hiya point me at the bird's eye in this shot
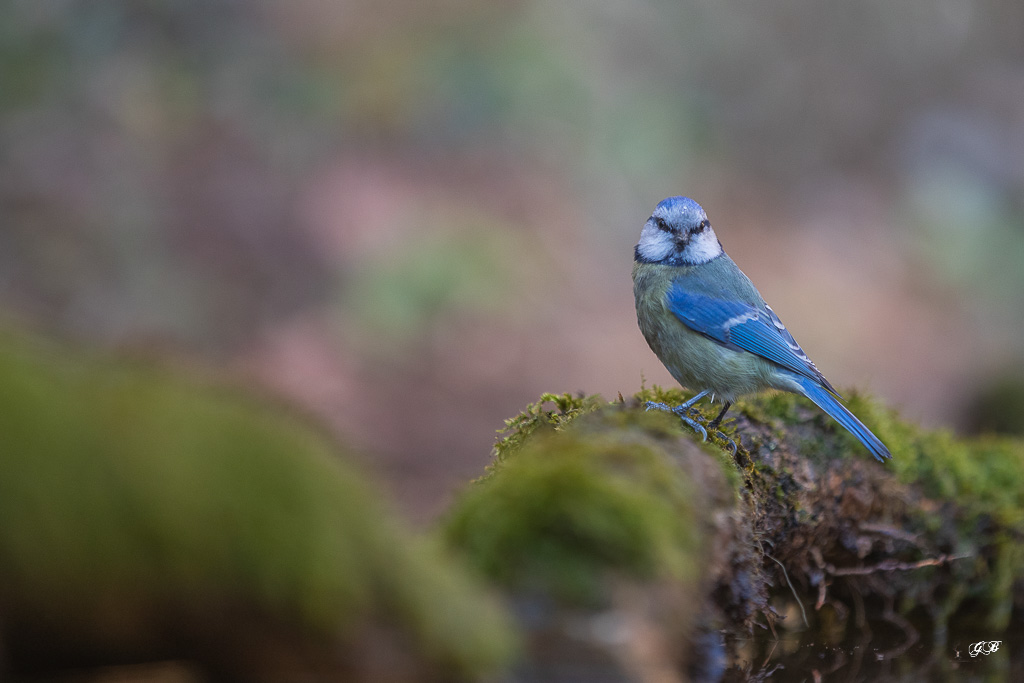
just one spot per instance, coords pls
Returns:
(704, 225)
(660, 223)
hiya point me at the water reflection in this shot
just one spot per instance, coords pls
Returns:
(884, 654)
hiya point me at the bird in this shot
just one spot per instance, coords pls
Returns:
(710, 327)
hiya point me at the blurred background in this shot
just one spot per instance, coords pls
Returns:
(413, 217)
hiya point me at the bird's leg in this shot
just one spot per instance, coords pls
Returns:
(681, 411)
(714, 424)
(718, 420)
(688, 405)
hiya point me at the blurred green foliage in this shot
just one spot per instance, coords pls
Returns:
(129, 492)
(390, 298)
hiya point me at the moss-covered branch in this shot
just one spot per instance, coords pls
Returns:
(585, 497)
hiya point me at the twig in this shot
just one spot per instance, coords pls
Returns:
(770, 653)
(890, 531)
(803, 612)
(892, 565)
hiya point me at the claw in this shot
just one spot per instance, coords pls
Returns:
(732, 444)
(696, 427)
(678, 412)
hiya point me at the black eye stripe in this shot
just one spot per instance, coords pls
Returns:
(663, 225)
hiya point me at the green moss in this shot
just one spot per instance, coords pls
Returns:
(574, 509)
(982, 475)
(981, 478)
(613, 415)
(780, 406)
(536, 416)
(555, 514)
(127, 488)
(984, 478)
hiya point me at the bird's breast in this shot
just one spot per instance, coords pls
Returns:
(695, 361)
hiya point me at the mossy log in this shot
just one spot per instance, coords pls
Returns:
(616, 531)
(147, 516)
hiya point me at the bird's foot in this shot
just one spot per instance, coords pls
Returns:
(680, 412)
(713, 427)
(696, 426)
(723, 437)
(684, 410)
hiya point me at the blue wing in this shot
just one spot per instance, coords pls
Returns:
(740, 326)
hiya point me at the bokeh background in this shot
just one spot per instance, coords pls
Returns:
(413, 217)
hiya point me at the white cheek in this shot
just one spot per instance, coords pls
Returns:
(655, 244)
(703, 247)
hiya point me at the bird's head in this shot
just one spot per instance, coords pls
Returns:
(677, 234)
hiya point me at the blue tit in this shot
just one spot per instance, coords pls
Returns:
(708, 324)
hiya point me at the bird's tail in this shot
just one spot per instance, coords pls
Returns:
(838, 412)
